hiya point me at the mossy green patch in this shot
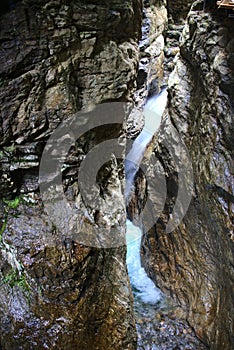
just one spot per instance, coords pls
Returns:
(9, 204)
(13, 203)
(2, 229)
(9, 149)
(13, 278)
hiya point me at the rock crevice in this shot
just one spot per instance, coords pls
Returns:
(194, 263)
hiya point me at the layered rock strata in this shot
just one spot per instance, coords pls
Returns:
(194, 262)
(59, 57)
(151, 60)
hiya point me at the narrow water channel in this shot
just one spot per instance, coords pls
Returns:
(143, 286)
(158, 327)
(152, 112)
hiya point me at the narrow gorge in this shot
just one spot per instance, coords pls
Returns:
(116, 175)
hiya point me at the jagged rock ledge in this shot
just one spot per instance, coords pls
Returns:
(194, 263)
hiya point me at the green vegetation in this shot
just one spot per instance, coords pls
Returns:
(10, 204)
(9, 151)
(3, 228)
(13, 278)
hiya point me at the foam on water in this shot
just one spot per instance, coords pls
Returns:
(153, 112)
(143, 286)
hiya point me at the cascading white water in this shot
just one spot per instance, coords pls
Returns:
(156, 325)
(143, 286)
(152, 112)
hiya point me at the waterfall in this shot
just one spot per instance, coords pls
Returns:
(152, 112)
(143, 287)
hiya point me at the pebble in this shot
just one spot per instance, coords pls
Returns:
(158, 328)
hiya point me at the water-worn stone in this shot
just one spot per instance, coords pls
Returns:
(151, 59)
(59, 57)
(194, 262)
(152, 45)
(179, 9)
(160, 328)
(63, 295)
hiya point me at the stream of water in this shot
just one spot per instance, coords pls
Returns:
(143, 286)
(158, 327)
(152, 112)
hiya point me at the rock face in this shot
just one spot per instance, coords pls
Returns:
(194, 262)
(59, 57)
(151, 68)
(152, 45)
(178, 10)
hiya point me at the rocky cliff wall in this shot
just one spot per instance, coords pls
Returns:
(58, 57)
(152, 45)
(194, 263)
(178, 10)
(151, 60)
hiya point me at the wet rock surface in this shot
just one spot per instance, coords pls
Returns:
(179, 9)
(151, 45)
(59, 57)
(56, 296)
(160, 328)
(173, 35)
(151, 58)
(194, 263)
